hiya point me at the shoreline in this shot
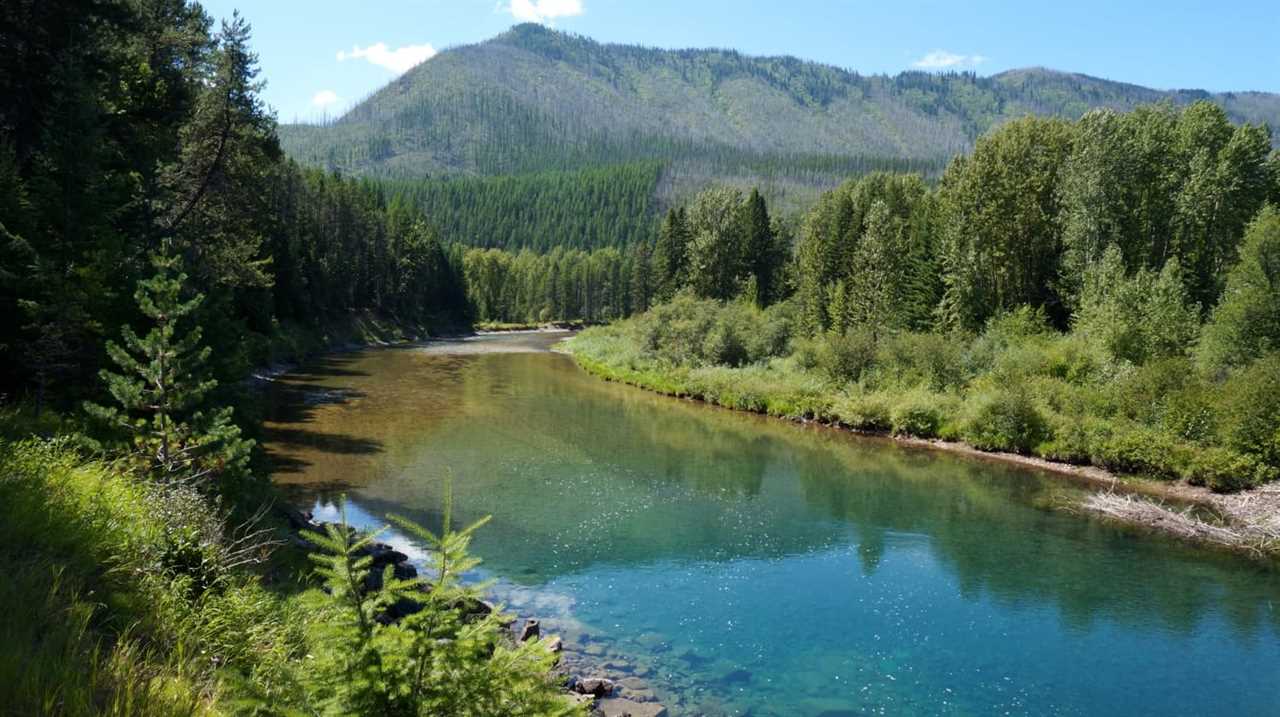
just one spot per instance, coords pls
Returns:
(587, 674)
(1246, 523)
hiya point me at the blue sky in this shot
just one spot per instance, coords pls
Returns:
(321, 56)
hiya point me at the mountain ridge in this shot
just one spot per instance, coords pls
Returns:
(533, 100)
(584, 100)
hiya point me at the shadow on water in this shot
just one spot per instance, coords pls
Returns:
(324, 442)
(335, 366)
(298, 402)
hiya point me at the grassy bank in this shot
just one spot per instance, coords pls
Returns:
(1018, 388)
(126, 596)
(110, 607)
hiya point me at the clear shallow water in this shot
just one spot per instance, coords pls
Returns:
(746, 566)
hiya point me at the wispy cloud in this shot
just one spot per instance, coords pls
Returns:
(542, 11)
(325, 98)
(399, 60)
(943, 60)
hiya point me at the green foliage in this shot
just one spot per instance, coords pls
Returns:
(918, 414)
(1250, 413)
(866, 256)
(671, 254)
(163, 390)
(1141, 450)
(908, 359)
(437, 660)
(864, 411)
(1139, 317)
(585, 209)
(1004, 418)
(689, 330)
(95, 616)
(717, 243)
(565, 284)
(848, 356)
(1226, 471)
(107, 608)
(1000, 241)
(1246, 324)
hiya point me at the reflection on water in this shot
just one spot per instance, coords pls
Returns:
(748, 566)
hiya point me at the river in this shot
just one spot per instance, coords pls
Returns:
(740, 565)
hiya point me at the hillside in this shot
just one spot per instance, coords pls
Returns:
(534, 99)
(554, 107)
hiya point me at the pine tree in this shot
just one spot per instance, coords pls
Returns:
(670, 254)
(446, 656)
(763, 258)
(162, 389)
(641, 277)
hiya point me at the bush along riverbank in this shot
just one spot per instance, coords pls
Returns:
(1163, 434)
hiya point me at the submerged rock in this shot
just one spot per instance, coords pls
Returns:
(622, 707)
(598, 686)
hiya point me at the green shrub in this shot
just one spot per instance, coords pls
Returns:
(804, 353)
(1005, 419)
(1136, 316)
(846, 357)
(1072, 359)
(912, 359)
(723, 346)
(1224, 470)
(1073, 438)
(1141, 393)
(1246, 323)
(442, 659)
(1188, 413)
(1140, 450)
(917, 414)
(689, 331)
(865, 412)
(1250, 411)
(771, 331)
(1010, 329)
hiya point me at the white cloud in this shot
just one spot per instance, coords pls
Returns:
(543, 11)
(325, 98)
(399, 60)
(943, 60)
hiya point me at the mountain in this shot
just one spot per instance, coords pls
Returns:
(554, 108)
(535, 99)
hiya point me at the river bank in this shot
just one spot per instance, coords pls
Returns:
(1247, 522)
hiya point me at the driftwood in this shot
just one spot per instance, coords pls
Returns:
(1256, 531)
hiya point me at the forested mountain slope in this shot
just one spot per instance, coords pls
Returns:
(534, 99)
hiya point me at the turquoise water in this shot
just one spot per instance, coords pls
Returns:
(742, 566)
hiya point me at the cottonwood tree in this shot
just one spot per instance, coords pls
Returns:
(1246, 324)
(1002, 241)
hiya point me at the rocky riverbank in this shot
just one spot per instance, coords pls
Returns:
(612, 686)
